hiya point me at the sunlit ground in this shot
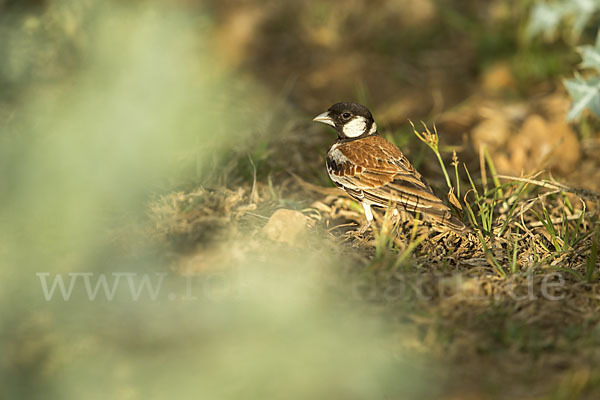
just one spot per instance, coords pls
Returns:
(144, 151)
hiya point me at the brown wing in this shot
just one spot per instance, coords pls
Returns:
(375, 171)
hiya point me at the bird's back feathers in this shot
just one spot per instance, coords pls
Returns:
(374, 171)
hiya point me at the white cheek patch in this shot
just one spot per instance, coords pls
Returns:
(355, 128)
(373, 129)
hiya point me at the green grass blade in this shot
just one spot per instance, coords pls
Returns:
(592, 261)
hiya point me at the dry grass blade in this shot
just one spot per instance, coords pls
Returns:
(253, 195)
(556, 186)
(316, 188)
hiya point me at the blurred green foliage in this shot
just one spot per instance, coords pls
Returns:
(568, 20)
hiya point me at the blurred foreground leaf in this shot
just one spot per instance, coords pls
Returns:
(546, 18)
(585, 92)
(591, 55)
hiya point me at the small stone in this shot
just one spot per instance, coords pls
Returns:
(542, 144)
(492, 132)
(287, 226)
(498, 77)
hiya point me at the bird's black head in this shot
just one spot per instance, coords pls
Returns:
(350, 120)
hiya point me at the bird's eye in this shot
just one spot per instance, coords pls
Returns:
(346, 115)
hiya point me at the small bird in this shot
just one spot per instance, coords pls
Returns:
(374, 171)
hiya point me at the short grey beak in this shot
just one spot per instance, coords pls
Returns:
(324, 118)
